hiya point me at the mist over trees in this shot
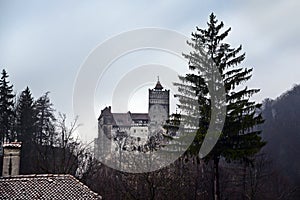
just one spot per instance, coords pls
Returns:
(282, 131)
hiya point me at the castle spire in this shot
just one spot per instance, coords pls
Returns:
(158, 86)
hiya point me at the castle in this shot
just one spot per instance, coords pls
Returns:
(139, 127)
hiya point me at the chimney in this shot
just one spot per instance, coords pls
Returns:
(11, 159)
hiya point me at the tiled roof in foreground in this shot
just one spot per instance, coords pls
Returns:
(46, 186)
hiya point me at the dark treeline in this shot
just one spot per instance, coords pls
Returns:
(48, 145)
(191, 178)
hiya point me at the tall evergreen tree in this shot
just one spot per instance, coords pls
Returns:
(45, 125)
(6, 109)
(25, 117)
(239, 138)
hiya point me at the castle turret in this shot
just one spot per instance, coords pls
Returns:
(103, 143)
(159, 106)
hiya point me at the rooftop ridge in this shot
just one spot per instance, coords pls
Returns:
(36, 176)
(52, 178)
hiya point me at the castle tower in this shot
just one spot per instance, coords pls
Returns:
(159, 107)
(105, 121)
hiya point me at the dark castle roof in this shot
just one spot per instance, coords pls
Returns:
(140, 116)
(126, 119)
(121, 119)
(158, 86)
(46, 186)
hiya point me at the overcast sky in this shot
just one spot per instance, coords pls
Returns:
(44, 43)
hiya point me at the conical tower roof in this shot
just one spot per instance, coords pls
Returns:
(158, 85)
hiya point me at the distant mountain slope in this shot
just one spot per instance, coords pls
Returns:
(282, 132)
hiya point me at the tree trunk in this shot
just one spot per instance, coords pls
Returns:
(216, 179)
(244, 181)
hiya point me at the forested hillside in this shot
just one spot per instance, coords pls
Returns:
(281, 130)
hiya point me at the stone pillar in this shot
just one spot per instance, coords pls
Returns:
(11, 159)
